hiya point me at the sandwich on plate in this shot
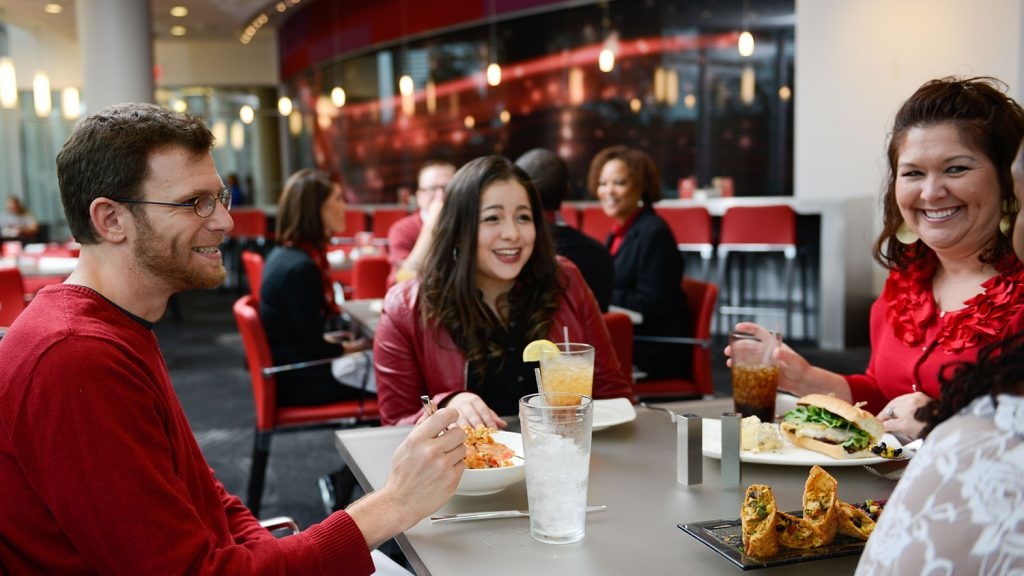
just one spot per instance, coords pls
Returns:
(832, 426)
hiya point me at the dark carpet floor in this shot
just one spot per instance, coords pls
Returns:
(204, 355)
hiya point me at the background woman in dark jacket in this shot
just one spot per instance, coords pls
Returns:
(648, 266)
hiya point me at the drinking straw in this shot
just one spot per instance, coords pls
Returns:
(565, 334)
(540, 386)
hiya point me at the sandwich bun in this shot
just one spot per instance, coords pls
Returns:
(860, 418)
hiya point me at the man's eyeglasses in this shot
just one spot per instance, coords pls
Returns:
(204, 204)
(432, 189)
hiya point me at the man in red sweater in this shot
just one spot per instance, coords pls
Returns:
(99, 470)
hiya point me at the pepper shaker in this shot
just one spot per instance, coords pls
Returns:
(731, 448)
(689, 449)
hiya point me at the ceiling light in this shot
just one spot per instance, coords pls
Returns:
(70, 103)
(338, 96)
(246, 114)
(41, 94)
(284, 106)
(8, 84)
(53, 8)
(179, 11)
(405, 85)
(178, 30)
(746, 43)
(493, 74)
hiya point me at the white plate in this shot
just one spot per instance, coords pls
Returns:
(483, 481)
(789, 455)
(612, 412)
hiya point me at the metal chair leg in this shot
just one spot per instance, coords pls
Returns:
(258, 471)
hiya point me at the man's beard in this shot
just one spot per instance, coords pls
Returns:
(172, 262)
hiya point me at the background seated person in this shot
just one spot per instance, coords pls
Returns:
(648, 266)
(409, 238)
(17, 222)
(297, 295)
(491, 285)
(551, 177)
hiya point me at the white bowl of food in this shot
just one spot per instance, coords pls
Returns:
(508, 467)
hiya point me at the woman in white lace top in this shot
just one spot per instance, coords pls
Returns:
(959, 508)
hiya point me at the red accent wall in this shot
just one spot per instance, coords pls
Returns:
(321, 29)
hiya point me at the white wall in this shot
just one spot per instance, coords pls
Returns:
(218, 63)
(856, 62)
(56, 54)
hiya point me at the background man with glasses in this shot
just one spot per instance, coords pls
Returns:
(99, 470)
(409, 238)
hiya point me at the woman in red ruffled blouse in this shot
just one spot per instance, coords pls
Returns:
(954, 283)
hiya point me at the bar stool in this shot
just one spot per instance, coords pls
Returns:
(752, 231)
(691, 226)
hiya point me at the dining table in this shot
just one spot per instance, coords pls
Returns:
(364, 314)
(633, 472)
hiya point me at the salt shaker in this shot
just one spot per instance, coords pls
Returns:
(689, 449)
(731, 448)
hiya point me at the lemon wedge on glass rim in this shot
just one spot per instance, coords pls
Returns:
(534, 349)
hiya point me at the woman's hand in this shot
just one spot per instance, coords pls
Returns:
(474, 412)
(793, 368)
(898, 414)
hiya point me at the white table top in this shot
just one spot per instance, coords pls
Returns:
(633, 472)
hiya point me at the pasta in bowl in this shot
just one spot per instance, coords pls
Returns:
(493, 462)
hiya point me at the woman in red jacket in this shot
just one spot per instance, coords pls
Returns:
(492, 285)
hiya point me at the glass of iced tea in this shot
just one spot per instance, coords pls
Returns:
(755, 375)
(571, 369)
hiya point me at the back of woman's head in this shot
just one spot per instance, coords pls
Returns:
(298, 211)
(987, 119)
(449, 290)
(641, 167)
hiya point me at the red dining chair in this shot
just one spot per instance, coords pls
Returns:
(252, 262)
(370, 277)
(620, 328)
(249, 233)
(355, 222)
(691, 226)
(12, 295)
(595, 223)
(382, 219)
(747, 234)
(271, 418)
(700, 300)
(570, 214)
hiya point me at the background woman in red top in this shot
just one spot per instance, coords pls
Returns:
(954, 284)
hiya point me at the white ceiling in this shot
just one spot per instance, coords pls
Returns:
(207, 19)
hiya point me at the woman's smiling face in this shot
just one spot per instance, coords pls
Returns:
(617, 191)
(505, 237)
(947, 191)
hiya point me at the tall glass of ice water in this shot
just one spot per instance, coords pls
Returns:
(556, 431)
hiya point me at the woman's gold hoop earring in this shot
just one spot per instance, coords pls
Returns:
(1009, 208)
(1004, 225)
(905, 234)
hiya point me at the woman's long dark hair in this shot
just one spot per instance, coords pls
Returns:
(988, 120)
(999, 369)
(299, 221)
(451, 299)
